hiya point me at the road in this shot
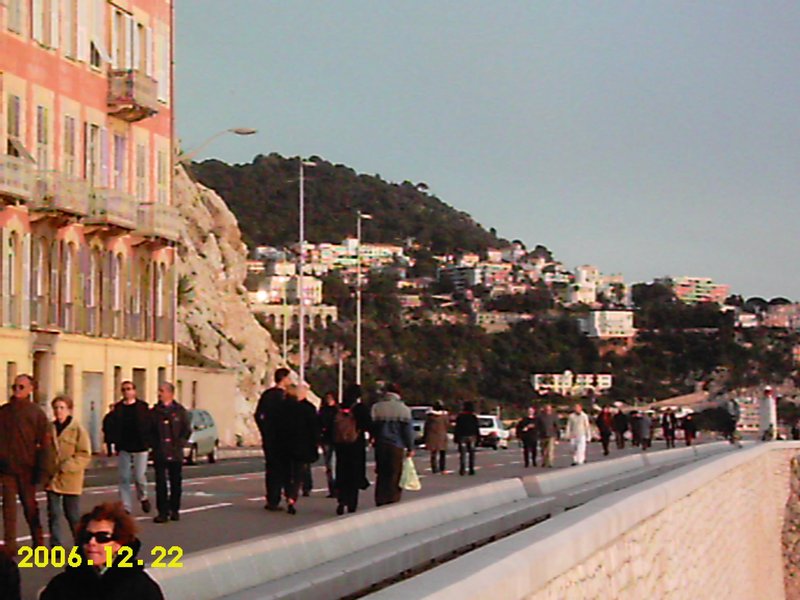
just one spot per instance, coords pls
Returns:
(224, 502)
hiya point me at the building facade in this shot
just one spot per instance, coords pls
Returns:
(692, 290)
(608, 324)
(87, 227)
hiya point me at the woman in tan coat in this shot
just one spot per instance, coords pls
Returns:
(435, 435)
(72, 455)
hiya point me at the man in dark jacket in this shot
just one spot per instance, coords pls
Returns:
(669, 424)
(302, 427)
(271, 421)
(327, 414)
(129, 428)
(171, 432)
(24, 446)
(547, 427)
(620, 423)
(528, 434)
(466, 436)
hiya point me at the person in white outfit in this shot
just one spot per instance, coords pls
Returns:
(578, 433)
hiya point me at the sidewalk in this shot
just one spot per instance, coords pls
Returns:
(101, 461)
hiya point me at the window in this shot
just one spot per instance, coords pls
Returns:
(69, 146)
(14, 15)
(119, 162)
(13, 124)
(97, 46)
(91, 152)
(44, 22)
(144, 51)
(163, 177)
(69, 24)
(41, 138)
(116, 283)
(141, 172)
(68, 379)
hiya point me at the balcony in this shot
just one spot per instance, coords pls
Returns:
(156, 220)
(56, 193)
(111, 209)
(132, 95)
(16, 177)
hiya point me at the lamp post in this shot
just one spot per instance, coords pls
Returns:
(360, 217)
(187, 156)
(301, 296)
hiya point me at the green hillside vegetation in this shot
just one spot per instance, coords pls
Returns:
(264, 197)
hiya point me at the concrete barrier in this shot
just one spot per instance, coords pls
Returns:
(235, 567)
(623, 545)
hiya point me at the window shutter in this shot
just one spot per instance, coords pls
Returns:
(55, 267)
(148, 51)
(115, 41)
(26, 281)
(82, 323)
(104, 158)
(54, 23)
(137, 47)
(6, 280)
(83, 30)
(129, 37)
(37, 14)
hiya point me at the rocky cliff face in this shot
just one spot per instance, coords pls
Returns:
(214, 318)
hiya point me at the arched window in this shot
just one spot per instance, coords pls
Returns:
(12, 278)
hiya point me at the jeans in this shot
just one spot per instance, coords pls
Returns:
(21, 484)
(168, 503)
(59, 505)
(135, 464)
(466, 446)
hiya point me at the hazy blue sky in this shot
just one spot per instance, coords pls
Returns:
(647, 138)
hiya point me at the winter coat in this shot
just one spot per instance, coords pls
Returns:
(435, 432)
(171, 431)
(466, 426)
(527, 430)
(326, 415)
(620, 422)
(645, 427)
(114, 423)
(270, 418)
(72, 453)
(115, 583)
(604, 423)
(669, 422)
(547, 426)
(302, 427)
(25, 444)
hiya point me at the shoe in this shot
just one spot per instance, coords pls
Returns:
(340, 510)
(291, 509)
(472, 472)
(331, 496)
(175, 515)
(276, 508)
(161, 519)
(146, 506)
(306, 494)
(351, 509)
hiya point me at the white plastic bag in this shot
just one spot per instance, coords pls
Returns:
(409, 480)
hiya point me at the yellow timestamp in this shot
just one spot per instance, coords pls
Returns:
(59, 557)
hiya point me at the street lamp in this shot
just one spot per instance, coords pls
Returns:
(187, 156)
(301, 296)
(360, 217)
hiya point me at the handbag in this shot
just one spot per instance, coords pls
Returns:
(409, 480)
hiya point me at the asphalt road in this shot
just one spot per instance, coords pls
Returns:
(224, 502)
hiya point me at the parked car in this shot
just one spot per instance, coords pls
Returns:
(492, 432)
(204, 440)
(418, 415)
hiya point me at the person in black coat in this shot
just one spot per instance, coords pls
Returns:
(620, 424)
(528, 434)
(351, 457)
(105, 530)
(271, 421)
(9, 577)
(327, 413)
(171, 431)
(636, 428)
(302, 440)
(466, 436)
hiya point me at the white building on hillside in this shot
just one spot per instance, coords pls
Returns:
(608, 324)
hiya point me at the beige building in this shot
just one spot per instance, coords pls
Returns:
(212, 389)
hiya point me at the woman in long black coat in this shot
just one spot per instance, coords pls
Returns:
(302, 440)
(351, 458)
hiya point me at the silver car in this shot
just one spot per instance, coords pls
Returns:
(204, 440)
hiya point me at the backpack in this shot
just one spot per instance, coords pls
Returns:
(345, 428)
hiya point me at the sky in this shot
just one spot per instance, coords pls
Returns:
(646, 138)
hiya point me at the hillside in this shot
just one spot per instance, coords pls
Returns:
(263, 195)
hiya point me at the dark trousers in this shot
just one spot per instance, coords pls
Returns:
(329, 457)
(58, 506)
(438, 460)
(276, 476)
(605, 440)
(299, 478)
(20, 485)
(619, 436)
(529, 447)
(389, 465)
(168, 471)
(466, 447)
(669, 437)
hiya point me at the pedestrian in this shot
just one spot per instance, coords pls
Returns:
(302, 439)
(435, 436)
(25, 452)
(689, 429)
(636, 428)
(796, 429)
(767, 415)
(732, 414)
(605, 425)
(10, 588)
(466, 436)
(578, 432)
(271, 422)
(669, 424)
(394, 441)
(171, 432)
(528, 434)
(327, 413)
(547, 428)
(620, 424)
(72, 453)
(129, 429)
(645, 430)
(351, 424)
(101, 534)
